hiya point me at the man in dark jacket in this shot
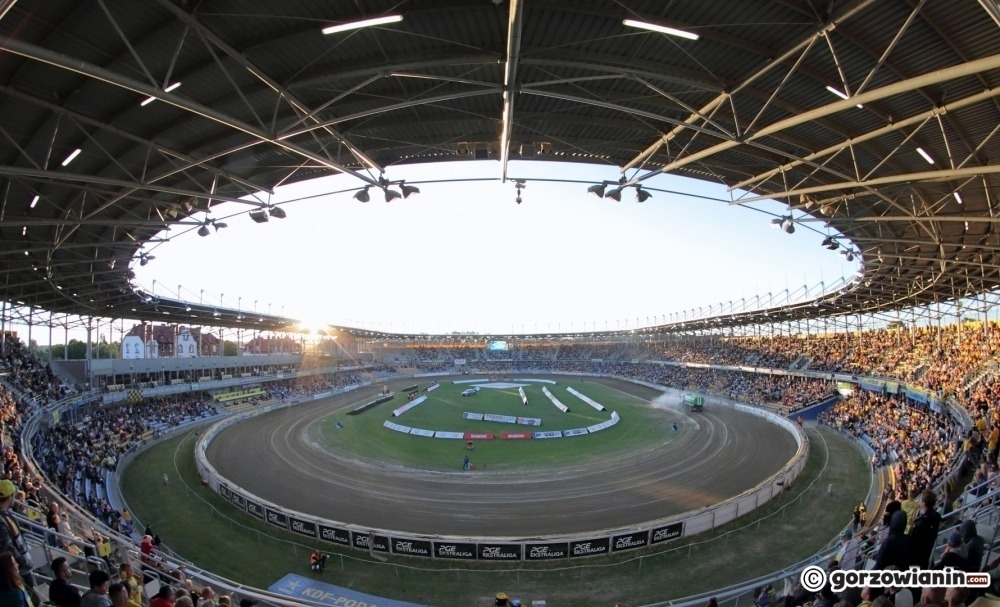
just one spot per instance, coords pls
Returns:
(61, 592)
(895, 548)
(924, 531)
(974, 544)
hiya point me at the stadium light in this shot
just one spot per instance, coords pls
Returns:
(362, 195)
(391, 195)
(277, 212)
(408, 189)
(597, 190)
(615, 194)
(642, 195)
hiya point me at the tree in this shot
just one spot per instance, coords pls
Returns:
(229, 348)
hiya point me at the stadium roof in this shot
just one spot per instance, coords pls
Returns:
(266, 98)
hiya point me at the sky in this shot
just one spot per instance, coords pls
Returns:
(464, 256)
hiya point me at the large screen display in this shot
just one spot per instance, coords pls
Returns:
(497, 346)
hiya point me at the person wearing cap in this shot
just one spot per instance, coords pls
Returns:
(10, 534)
(849, 551)
(954, 553)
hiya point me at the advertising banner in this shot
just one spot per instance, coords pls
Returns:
(225, 492)
(455, 550)
(529, 421)
(549, 434)
(667, 533)
(629, 541)
(478, 436)
(368, 541)
(515, 435)
(499, 552)
(575, 432)
(421, 432)
(276, 518)
(239, 501)
(411, 547)
(473, 416)
(441, 434)
(335, 535)
(302, 526)
(255, 509)
(546, 552)
(504, 419)
(591, 547)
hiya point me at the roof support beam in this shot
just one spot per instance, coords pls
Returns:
(942, 175)
(509, 83)
(301, 107)
(37, 53)
(932, 78)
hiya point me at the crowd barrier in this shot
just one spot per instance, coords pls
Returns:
(488, 549)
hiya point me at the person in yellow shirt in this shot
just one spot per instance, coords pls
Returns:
(126, 574)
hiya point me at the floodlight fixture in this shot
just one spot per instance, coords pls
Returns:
(776, 222)
(597, 189)
(615, 194)
(391, 195)
(259, 216)
(408, 189)
(789, 225)
(277, 212)
(203, 231)
(144, 259)
(642, 195)
(345, 27)
(362, 195)
(219, 224)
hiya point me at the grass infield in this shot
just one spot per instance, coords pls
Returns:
(196, 523)
(364, 436)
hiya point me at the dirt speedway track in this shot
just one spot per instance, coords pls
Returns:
(278, 458)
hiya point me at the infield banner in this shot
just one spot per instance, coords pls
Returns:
(432, 387)
(555, 401)
(473, 416)
(593, 403)
(516, 435)
(478, 436)
(397, 427)
(413, 403)
(495, 417)
(529, 421)
(549, 434)
(442, 434)
(225, 492)
(239, 501)
(575, 432)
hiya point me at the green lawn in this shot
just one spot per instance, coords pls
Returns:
(363, 435)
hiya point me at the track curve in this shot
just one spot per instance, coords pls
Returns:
(279, 458)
